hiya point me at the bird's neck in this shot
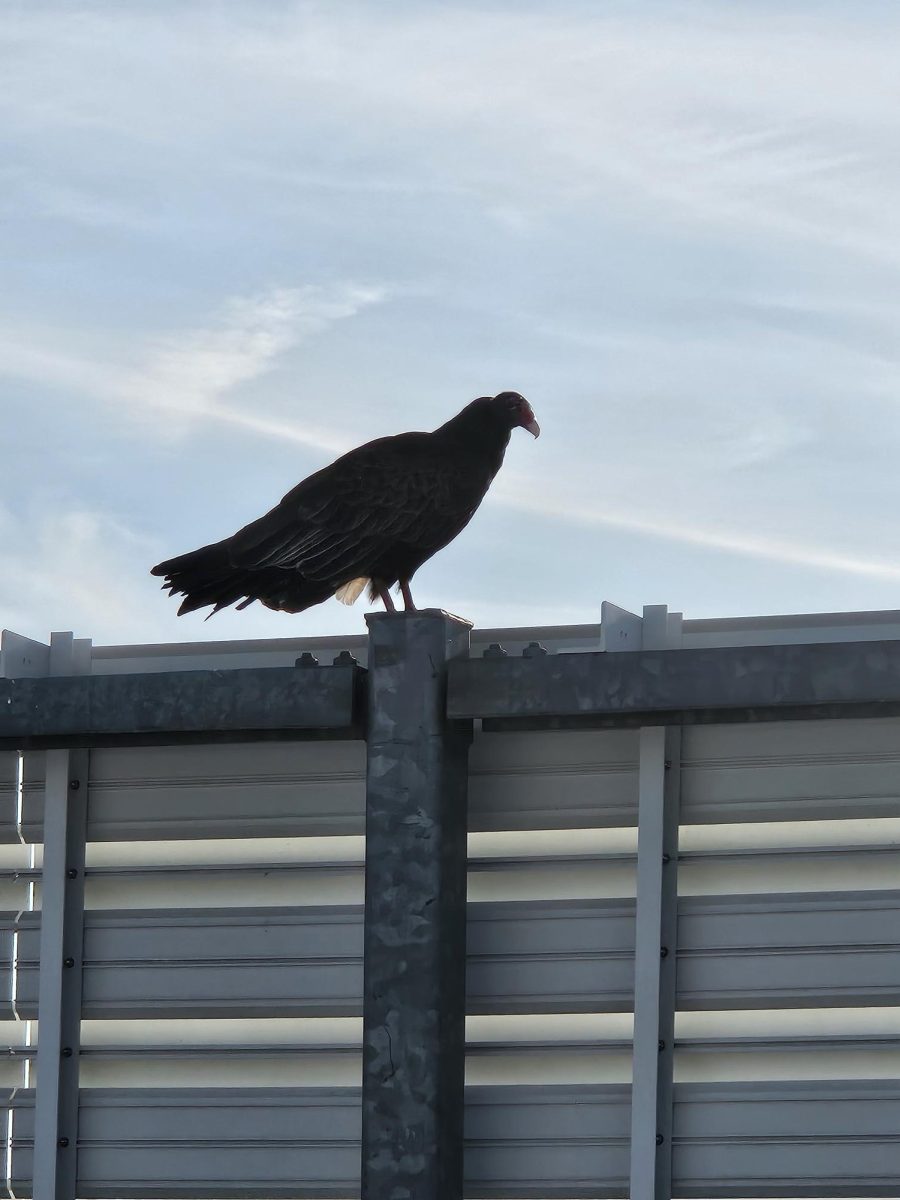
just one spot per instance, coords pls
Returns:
(480, 438)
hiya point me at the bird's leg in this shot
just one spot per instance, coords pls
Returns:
(385, 596)
(407, 596)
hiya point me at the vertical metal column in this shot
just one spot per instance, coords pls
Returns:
(654, 966)
(62, 924)
(415, 930)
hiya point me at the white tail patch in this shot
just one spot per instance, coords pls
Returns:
(349, 593)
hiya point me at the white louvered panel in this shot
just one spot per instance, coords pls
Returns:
(553, 780)
(233, 1052)
(285, 1052)
(260, 789)
(791, 771)
(304, 1051)
(766, 772)
(237, 1063)
(707, 1060)
(840, 866)
(586, 864)
(800, 949)
(228, 1066)
(226, 885)
(283, 789)
(264, 789)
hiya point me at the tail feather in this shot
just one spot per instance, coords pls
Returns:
(208, 578)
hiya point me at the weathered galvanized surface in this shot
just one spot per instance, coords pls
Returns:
(415, 932)
(176, 705)
(744, 682)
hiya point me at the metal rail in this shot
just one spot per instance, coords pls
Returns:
(180, 706)
(733, 683)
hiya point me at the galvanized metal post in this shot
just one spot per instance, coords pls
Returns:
(415, 930)
(654, 966)
(62, 925)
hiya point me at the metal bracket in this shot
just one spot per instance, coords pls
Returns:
(61, 946)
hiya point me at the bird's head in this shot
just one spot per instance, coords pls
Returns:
(515, 411)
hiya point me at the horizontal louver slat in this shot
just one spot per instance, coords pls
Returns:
(799, 950)
(746, 1139)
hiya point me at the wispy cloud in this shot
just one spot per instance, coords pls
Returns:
(660, 525)
(699, 113)
(184, 377)
(76, 569)
(187, 374)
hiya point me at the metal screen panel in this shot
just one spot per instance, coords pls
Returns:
(826, 1138)
(553, 780)
(547, 1141)
(266, 1142)
(199, 931)
(212, 962)
(551, 956)
(791, 771)
(559, 1143)
(262, 789)
(799, 950)
(533, 956)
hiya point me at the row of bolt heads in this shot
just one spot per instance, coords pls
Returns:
(494, 650)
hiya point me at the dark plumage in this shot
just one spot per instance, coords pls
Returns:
(372, 517)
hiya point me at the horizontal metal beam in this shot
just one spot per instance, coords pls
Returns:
(745, 683)
(179, 706)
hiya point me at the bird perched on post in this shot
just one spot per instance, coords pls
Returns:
(369, 519)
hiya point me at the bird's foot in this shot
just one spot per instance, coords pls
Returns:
(408, 602)
(385, 596)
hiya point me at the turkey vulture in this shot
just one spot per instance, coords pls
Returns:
(372, 517)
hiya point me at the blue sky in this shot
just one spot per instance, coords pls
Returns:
(237, 238)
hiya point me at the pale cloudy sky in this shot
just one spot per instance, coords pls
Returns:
(239, 237)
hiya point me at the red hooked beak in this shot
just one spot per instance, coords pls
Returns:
(528, 422)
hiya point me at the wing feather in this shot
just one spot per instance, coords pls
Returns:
(336, 522)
